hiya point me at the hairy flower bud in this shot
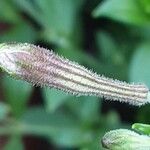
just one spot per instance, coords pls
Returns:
(42, 67)
(123, 139)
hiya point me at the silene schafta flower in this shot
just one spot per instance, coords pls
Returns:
(43, 67)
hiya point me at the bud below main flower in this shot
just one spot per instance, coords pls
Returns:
(123, 139)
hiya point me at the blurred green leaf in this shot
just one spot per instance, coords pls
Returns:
(72, 137)
(8, 12)
(95, 144)
(58, 19)
(142, 128)
(21, 32)
(85, 108)
(54, 98)
(143, 114)
(4, 111)
(79, 123)
(61, 128)
(109, 49)
(106, 122)
(17, 94)
(139, 66)
(28, 7)
(50, 12)
(112, 120)
(89, 109)
(112, 57)
(146, 5)
(128, 11)
(14, 143)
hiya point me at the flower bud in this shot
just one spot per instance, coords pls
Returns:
(42, 67)
(123, 139)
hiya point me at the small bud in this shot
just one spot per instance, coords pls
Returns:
(42, 67)
(123, 139)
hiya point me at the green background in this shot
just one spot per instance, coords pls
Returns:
(110, 37)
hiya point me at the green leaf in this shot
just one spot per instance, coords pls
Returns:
(106, 45)
(94, 145)
(109, 49)
(15, 143)
(54, 98)
(85, 108)
(127, 11)
(89, 110)
(4, 111)
(52, 14)
(143, 114)
(20, 32)
(140, 62)
(8, 12)
(63, 129)
(112, 120)
(146, 5)
(17, 94)
(58, 19)
(142, 128)
(28, 7)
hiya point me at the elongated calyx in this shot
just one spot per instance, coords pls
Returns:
(43, 67)
(123, 139)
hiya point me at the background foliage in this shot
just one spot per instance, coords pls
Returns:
(111, 37)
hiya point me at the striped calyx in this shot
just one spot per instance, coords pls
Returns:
(43, 67)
